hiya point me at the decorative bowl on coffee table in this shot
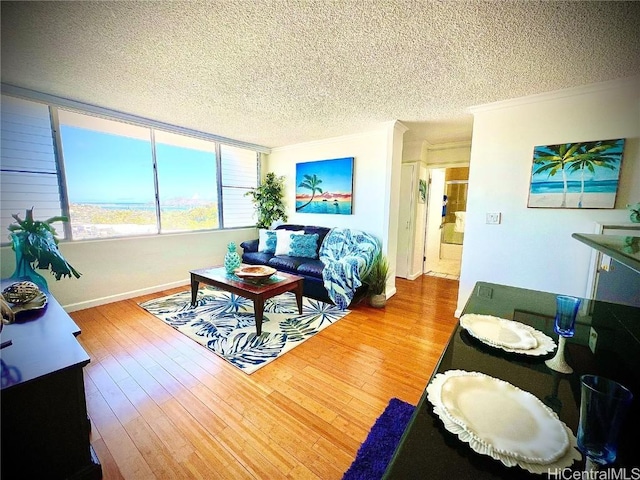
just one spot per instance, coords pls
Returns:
(255, 272)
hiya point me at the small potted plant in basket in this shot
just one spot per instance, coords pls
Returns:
(376, 279)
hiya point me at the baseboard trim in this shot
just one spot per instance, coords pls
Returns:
(457, 313)
(96, 302)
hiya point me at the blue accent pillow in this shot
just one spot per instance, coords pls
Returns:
(271, 242)
(304, 246)
(267, 241)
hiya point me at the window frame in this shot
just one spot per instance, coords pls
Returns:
(54, 103)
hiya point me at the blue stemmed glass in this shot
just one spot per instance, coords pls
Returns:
(565, 326)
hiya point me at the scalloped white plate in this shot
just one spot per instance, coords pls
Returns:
(502, 421)
(508, 335)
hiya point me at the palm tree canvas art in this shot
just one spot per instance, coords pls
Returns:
(576, 175)
(325, 186)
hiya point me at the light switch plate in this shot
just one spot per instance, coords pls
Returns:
(493, 218)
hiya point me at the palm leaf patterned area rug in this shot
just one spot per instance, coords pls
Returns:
(225, 323)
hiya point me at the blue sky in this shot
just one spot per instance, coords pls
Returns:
(106, 168)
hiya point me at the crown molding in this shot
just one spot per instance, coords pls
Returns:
(558, 94)
(398, 125)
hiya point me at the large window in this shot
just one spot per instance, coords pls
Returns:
(109, 171)
(114, 178)
(186, 182)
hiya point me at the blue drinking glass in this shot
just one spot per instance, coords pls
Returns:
(603, 406)
(566, 312)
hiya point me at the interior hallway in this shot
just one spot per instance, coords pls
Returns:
(446, 268)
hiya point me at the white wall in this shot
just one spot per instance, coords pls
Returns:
(412, 150)
(395, 132)
(377, 161)
(116, 269)
(533, 248)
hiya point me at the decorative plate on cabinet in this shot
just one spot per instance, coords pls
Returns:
(502, 421)
(508, 335)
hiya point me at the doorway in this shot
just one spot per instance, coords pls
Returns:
(444, 236)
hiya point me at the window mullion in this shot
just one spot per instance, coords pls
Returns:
(156, 186)
(258, 168)
(62, 178)
(219, 181)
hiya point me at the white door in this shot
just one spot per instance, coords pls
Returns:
(434, 218)
(408, 191)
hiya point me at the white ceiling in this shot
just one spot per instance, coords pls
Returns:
(277, 72)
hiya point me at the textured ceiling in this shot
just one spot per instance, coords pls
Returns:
(281, 72)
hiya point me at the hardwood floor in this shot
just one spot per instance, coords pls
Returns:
(162, 406)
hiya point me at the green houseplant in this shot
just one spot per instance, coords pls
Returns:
(36, 246)
(267, 200)
(376, 279)
(635, 212)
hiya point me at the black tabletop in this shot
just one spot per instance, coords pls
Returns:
(428, 450)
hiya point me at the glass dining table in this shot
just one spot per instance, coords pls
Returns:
(606, 343)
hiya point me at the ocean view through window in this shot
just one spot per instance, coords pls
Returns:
(117, 175)
(127, 180)
(186, 183)
(109, 173)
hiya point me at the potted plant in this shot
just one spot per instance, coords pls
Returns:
(267, 200)
(36, 246)
(376, 279)
(635, 212)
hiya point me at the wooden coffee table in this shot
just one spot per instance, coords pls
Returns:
(279, 283)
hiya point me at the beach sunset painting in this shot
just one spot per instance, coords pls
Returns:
(576, 175)
(325, 186)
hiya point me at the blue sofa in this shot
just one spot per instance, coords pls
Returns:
(309, 268)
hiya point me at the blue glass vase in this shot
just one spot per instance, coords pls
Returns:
(232, 260)
(24, 271)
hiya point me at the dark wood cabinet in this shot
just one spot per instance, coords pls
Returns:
(45, 428)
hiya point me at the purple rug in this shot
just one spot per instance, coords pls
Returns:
(376, 451)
